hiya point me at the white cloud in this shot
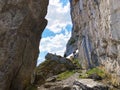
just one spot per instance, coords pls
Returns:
(55, 44)
(58, 16)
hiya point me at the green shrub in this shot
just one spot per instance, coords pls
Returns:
(96, 71)
(76, 62)
(72, 41)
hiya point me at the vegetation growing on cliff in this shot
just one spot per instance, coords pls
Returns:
(77, 63)
(72, 41)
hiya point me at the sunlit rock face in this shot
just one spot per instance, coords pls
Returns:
(96, 28)
(21, 25)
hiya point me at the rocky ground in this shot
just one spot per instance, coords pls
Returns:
(55, 74)
(59, 85)
(73, 83)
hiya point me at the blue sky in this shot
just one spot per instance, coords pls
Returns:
(58, 30)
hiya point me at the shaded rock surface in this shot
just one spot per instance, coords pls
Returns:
(96, 33)
(95, 76)
(59, 59)
(21, 25)
(53, 65)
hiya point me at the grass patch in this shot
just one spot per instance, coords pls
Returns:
(65, 75)
(113, 80)
(72, 41)
(96, 70)
(107, 78)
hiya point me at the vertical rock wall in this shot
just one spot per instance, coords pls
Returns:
(96, 24)
(21, 25)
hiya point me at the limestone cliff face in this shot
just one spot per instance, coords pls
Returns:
(96, 25)
(21, 25)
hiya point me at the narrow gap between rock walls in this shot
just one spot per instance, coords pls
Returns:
(58, 31)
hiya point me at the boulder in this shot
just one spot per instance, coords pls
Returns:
(60, 59)
(88, 84)
(53, 65)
